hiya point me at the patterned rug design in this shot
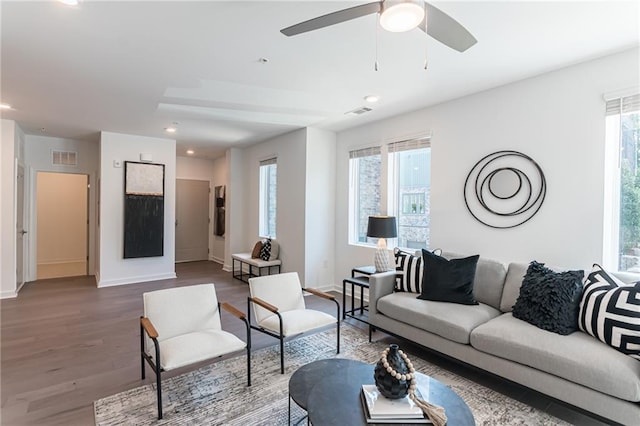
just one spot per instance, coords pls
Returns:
(217, 393)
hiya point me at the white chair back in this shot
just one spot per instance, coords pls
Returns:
(280, 290)
(181, 310)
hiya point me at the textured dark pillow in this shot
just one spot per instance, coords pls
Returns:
(550, 300)
(256, 250)
(448, 280)
(265, 251)
(610, 311)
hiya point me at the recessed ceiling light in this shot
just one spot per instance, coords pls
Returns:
(372, 98)
(5, 106)
(170, 129)
(69, 2)
(190, 152)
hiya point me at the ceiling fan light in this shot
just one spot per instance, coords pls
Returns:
(402, 17)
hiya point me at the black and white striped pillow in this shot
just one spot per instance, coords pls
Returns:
(610, 311)
(409, 272)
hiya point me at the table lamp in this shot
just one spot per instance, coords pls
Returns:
(382, 227)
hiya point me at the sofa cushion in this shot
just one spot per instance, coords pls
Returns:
(489, 279)
(449, 320)
(257, 248)
(409, 269)
(515, 274)
(576, 357)
(265, 251)
(550, 300)
(610, 311)
(447, 280)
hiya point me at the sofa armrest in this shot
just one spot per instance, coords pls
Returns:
(380, 285)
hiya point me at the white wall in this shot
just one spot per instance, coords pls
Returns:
(556, 118)
(219, 178)
(11, 149)
(320, 205)
(290, 149)
(236, 213)
(38, 158)
(199, 169)
(113, 268)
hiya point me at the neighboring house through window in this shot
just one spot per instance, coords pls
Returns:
(622, 184)
(268, 197)
(402, 183)
(365, 172)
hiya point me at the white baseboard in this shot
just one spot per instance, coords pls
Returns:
(133, 280)
(216, 259)
(226, 268)
(8, 294)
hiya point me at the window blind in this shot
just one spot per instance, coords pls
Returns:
(409, 144)
(273, 160)
(365, 152)
(623, 105)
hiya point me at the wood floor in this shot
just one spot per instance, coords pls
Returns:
(64, 343)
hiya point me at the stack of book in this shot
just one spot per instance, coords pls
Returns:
(379, 409)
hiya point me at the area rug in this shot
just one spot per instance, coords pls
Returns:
(217, 394)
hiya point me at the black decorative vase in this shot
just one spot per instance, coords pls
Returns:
(389, 386)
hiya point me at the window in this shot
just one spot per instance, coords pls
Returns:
(365, 171)
(409, 189)
(398, 177)
(622, 175)
(268, 197)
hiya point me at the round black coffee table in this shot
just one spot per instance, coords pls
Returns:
(329, 390)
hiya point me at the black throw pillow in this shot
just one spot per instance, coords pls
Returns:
(446, 280)
(550, 300)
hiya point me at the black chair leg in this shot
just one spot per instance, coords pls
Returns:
(281, 354)
(370, 331)
(248, 365)
(159, 391)
(142, 366)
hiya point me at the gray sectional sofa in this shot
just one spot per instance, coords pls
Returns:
(576, 368)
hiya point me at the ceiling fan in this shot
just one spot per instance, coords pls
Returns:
(397, 16)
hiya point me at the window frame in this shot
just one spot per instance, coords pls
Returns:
(389, 199)
(617, 105)
(264, 197)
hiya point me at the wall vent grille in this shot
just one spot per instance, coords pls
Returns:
(65, 158)
(358, 111)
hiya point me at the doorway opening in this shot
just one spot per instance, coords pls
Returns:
(62, 205)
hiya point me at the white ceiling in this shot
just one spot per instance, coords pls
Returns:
(137, 67)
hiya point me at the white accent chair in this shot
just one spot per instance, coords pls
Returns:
(181, 326)
(280, 311)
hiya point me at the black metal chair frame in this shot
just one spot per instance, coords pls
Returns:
(155, 366)
(280, 336)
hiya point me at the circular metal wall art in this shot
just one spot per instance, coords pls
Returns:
(504, 189)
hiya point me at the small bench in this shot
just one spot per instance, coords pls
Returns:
(246, 262)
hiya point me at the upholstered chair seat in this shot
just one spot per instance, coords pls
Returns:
(277, 302)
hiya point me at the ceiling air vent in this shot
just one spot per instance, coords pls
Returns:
(65, 158)
(358, 111)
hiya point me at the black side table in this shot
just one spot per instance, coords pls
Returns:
(359, 277)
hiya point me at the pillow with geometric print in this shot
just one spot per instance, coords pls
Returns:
(610, 311)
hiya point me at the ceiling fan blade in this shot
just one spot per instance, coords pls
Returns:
(332, 18)
(447, 30)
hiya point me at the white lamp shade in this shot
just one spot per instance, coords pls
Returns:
(402, 17)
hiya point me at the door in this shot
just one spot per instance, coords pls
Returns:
(192, 220)
(20, 231)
